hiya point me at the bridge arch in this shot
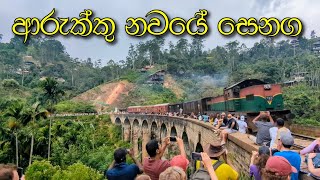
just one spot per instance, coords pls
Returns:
(117, 121)
(154, 128)
(173, 131)
(135, 123)
(199, 147)
(145, 137)
(163, 131)
(135, 137)
(144, 124)
(186, 142)
(126, 130)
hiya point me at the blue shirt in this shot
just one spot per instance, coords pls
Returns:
(123, 171)
(205, 118)
(294, 159)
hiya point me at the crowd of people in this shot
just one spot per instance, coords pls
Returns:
(275, 141)
(210, 164)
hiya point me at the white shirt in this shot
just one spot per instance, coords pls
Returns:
(273, 135)
(242, 126)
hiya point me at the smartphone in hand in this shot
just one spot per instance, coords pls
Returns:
(172, 138)
(20, 172)
(196, 156)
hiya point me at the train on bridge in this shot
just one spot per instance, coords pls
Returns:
(247, 97)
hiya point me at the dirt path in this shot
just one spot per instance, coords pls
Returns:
(115, 93)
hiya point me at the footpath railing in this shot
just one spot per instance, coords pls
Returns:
(77, 114)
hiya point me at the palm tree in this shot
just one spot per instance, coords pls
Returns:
(35, 113)
(17, 116)
(52, 93)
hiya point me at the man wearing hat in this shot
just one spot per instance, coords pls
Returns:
(223, 171)
(278, 168)
(284, 144)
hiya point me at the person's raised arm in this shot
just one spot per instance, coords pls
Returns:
(270, 117)
(137, 162)
(165, 143)
(253, 157)
(112, 165)
(310, 148)
(311, 168)
(232, 124)
(181, 147)
(208, 165)
(256, 118)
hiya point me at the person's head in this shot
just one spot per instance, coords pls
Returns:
(242, 118)
(152, 148)
(277, 168)
(173, 173)
(229, 116)
(223, 115)
(214, 150)
(286, 140)
(180, 161)
(280, 122)
(143, 177)
(8, 172)
(264, 150)
(263, 156)
(218, 115)
(264, 117)
(120, 155)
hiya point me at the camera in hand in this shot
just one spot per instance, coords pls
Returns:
(20, 172)
(172, 138)
(196, 156)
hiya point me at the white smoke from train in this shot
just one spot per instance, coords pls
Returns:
(200, 86)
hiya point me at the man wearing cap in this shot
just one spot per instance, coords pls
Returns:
(223, 171)
(120, 170)
(284, 144)
(278, 167)
(242, 125)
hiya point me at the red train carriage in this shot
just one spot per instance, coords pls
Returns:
(152, 109)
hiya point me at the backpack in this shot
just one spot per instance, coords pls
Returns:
(202, 174)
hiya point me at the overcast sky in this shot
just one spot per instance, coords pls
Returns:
(120, 10)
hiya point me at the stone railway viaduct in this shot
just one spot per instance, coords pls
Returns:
(139, 129)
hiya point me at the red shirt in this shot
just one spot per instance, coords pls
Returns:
(154, 168)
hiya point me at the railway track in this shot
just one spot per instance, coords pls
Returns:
(302, 141)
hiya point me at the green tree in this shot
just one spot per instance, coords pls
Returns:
(35, 113)
(77, 171)
(41, 170)
(16, 117)
(52, 93)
